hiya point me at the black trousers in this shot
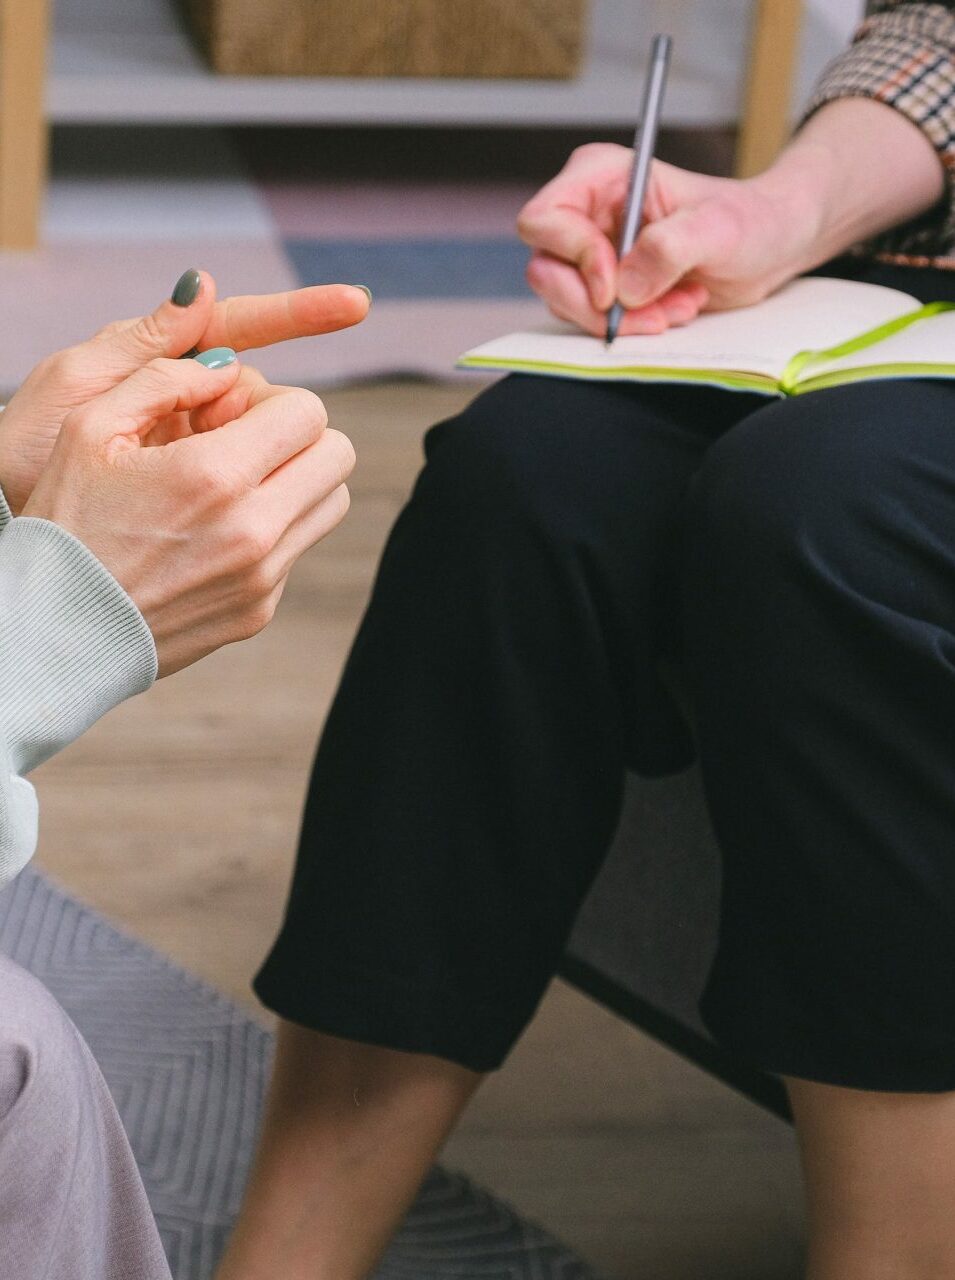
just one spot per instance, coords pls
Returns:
(565, 542)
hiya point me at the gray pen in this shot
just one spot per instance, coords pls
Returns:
(643, 145)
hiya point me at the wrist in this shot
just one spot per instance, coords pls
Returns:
(797, 191)
(855, 169)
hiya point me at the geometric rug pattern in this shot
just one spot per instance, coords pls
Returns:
(188, 1069)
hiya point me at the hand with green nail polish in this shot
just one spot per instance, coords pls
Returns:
(189, 321)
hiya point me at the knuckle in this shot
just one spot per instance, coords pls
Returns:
(343, 455)
(251, 544)
(79, 421)
(659, 243)
(148, 332)
(154, 378)
(166, 369)
(589, 151)
(342, 496)
(258, 581)
(310, 406)
(43, 369)
(534, 274)
(527, 220)
(69, 365)
(252, 378)
(601, 153)
(108, 330)
(256, 617)
(209, 477)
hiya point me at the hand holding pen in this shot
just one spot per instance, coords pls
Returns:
(706, 242)
(601, 196)
(644, 144)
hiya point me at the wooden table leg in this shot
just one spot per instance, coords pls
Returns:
(24, 136)
(772, 61)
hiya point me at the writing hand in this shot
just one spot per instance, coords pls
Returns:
(706, 243)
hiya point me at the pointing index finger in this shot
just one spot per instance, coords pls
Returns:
(258, 320)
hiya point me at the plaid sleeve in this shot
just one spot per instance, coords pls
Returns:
(903, 54)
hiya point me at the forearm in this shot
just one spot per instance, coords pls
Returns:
(855, 169)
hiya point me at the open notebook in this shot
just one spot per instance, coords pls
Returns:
(813, 333)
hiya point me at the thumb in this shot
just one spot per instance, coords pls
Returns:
(664, 252)
(172, 330)
(132, 408)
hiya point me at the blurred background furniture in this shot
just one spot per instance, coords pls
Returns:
(131, 62)
(537, 39)
(24, 31)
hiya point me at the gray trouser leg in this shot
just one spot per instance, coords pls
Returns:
(72, 1205)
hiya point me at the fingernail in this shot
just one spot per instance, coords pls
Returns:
(632, 289)
(187, 288)
(364, 288)
(217, 358)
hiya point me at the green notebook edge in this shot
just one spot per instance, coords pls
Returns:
(791, 382)
(760, 383)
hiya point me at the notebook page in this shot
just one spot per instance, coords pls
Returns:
(758, 339)
(930, 342)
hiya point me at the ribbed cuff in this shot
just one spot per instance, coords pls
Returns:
(904, 58)
(72, 645)
(6, 515)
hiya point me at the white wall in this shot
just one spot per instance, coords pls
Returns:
(711, 39)
(840, 13)
(828, 25)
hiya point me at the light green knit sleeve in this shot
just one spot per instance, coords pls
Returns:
(72, 645)
(6, 515)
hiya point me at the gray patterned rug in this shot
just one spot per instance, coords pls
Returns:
(188, 1069)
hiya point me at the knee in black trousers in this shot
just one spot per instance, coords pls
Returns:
(469, 777)
(470, 774)
(819, 603)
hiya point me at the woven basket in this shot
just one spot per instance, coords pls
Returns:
(470, 38)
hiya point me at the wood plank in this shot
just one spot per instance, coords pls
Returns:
(24, 36)
(768, 100)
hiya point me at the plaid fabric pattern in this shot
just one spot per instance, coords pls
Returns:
(903, 54)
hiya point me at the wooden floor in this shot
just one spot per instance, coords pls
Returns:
(177, 816)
